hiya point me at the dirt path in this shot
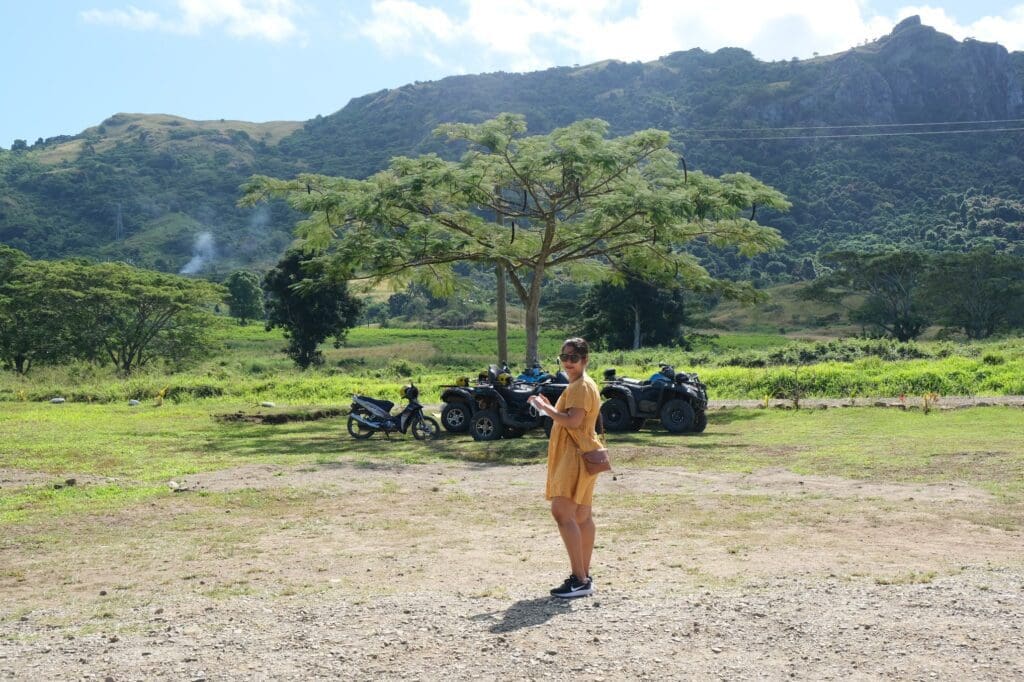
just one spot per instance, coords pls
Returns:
(340, 571)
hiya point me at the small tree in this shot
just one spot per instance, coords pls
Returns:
(51, 311)
(979, 292)
(887, 286)
(139, 315)
(633, 315)
(37, 308)
(309, 305)
(245, 297)
(573, 201)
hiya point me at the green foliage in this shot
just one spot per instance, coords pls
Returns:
(245, 297)
(417, 306)
(891, 284)
(576, 200)
(54, 311)
(250, 368)
(632, 315)
(310, 305)
(899, 292)
(979, 292)
(930, 192)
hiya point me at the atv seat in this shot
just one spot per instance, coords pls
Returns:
(517, 390)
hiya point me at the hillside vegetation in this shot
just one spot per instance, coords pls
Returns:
(64, 196)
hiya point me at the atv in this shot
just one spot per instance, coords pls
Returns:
(496, 406)
(679, 399)
(460, 400)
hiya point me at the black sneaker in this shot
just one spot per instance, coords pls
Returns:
(573, 587)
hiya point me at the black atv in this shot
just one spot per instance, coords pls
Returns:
(496, 406)
(460, 399)
(680, 400)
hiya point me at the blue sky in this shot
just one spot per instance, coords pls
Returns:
(70, 64)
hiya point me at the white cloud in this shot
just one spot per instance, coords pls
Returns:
(1007, 29)
(531, 34)
(399, 23)
(131, 17)
(270, 20)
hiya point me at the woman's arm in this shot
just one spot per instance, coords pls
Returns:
(571, 419)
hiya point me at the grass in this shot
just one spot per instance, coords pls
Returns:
(250, 367)
(123, 456)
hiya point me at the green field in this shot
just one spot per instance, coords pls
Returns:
(247, 366)
(127, 455)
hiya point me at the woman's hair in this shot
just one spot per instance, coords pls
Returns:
(581, 345)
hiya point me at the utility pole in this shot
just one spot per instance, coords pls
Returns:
(119, 229)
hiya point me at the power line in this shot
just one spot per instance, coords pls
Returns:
(851, 125)
(848, 135)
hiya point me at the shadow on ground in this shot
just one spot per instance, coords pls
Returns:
(524, 614)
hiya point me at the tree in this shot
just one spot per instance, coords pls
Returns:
(978, 292)
(633, 315)
(310, 305)
(37, 304)
(51, 311)
(245, 297)
(887, 287)
(139, 315)
(575, 200)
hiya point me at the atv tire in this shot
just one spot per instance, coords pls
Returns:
(455, 417)
(700, 422)
(486, 425)
(677, 416)
(615, 413)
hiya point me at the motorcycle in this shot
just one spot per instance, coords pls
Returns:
(370, 415)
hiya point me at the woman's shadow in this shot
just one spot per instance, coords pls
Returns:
(524, 614)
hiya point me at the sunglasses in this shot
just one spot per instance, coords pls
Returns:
(571, 357)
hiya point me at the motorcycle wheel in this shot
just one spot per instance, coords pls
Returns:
(357, 429)
(455, 417)
(677, 415)
(425, 428)
(615, 413)
(486, 425)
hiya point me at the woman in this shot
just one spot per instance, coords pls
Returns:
(569, 487)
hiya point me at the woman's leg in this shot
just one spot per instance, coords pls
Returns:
(585, 521)
(564, 511)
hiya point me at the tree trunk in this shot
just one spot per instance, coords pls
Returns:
(636, 327)
(533, 318)
(500, 306)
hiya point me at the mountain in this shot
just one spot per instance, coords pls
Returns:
(170, 179)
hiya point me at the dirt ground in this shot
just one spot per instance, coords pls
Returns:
(341, 571)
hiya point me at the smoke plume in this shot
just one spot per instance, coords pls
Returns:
(203, 253)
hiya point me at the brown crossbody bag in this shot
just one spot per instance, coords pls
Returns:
(597, 460)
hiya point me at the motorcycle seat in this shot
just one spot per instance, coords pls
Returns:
(385, 405)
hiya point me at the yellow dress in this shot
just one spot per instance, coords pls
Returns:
(567, 477)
